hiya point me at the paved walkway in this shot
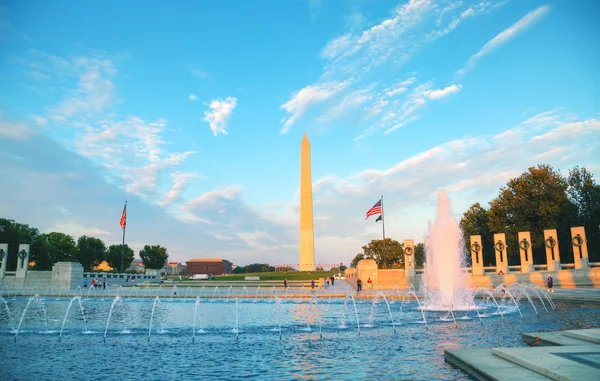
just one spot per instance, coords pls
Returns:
(564, 355)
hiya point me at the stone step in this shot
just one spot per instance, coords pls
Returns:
(591, 335)
(552, 338)
(481, 364)
(579, 362)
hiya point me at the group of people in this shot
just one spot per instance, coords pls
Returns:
(101, 282)
(359, 285)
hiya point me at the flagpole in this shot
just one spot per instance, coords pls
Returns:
(382, 218)
(123, 245)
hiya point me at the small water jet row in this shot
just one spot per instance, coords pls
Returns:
(381, 295)
(236, 328)
(409, 292)
(112, 307)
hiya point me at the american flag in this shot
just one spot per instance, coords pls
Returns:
(124, 217)
(376, 209)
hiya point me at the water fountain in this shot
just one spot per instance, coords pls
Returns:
(444, 261)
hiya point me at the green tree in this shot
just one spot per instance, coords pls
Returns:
(47, 249)
(534, 201)
(14, 233)
(475, 221)
(419, 255)
(359, 257)
(585, 194)
(113, 257)
(154, 257)
(387, 253)
(90, 252)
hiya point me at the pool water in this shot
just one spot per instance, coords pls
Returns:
(302, 350)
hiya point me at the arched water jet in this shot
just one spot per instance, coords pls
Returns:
(276, 307)
(546, 294)
(78, 298)
(316, 302)
(421, 308)
(8, 314)
(507, 291)
(36, 298)
(489, 293)
(156, 300)
(378, 295)
(236, 328)
(112, 307)
(196, 309)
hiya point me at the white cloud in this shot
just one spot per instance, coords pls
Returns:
(347, 105)
(193, 97)
(199, 73)
(133, 151)
(443, 93)
(179, 182)
(14, 129)
(76, 230)
(310, 95)
(95, 90)
(219, 114)
(506, 35)
(352, 58)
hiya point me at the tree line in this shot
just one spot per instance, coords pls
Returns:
(539, 199)
(48, 248)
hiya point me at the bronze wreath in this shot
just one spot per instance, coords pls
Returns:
(524, 244)
(500, 246)
(577, 241)
(22, 254)
(550, 242)
(408, 250)
(476, 247)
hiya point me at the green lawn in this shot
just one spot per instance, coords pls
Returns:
(295, 275)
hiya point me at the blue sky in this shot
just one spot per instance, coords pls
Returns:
(193, 111)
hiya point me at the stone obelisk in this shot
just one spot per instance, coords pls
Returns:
(307, 235)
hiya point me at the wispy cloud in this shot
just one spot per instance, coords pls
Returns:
(357, 59)
(180, 180)
(12, 129)
(199, 73)
(193, 97)
(506, 35)
(299, 102)
(219, 113)
(443, 93)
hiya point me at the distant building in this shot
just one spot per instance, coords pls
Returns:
(215, 266)
(137, 265)
(175, 268)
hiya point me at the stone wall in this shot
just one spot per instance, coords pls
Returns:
(390, 279)
(41, 279)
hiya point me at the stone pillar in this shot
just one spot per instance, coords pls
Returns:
(4, 258)
(552, 251)
(409, 257)
(526, 251)
(580, 251)
(67, 274)
(476, 254)
(500, 249)
(367, 268)
(22, 261)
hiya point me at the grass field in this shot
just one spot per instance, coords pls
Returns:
(294, 275)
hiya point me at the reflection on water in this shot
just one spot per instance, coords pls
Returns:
(414, 353)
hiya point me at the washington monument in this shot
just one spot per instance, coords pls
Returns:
(307, 234)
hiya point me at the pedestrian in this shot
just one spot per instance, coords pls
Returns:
(285, 284)
(369, 284)
(550, 283)
(312, 284)
(332, 280)
(358, 285)
(180, 278)
(104, 283)
(327, 282)
(85, 283)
